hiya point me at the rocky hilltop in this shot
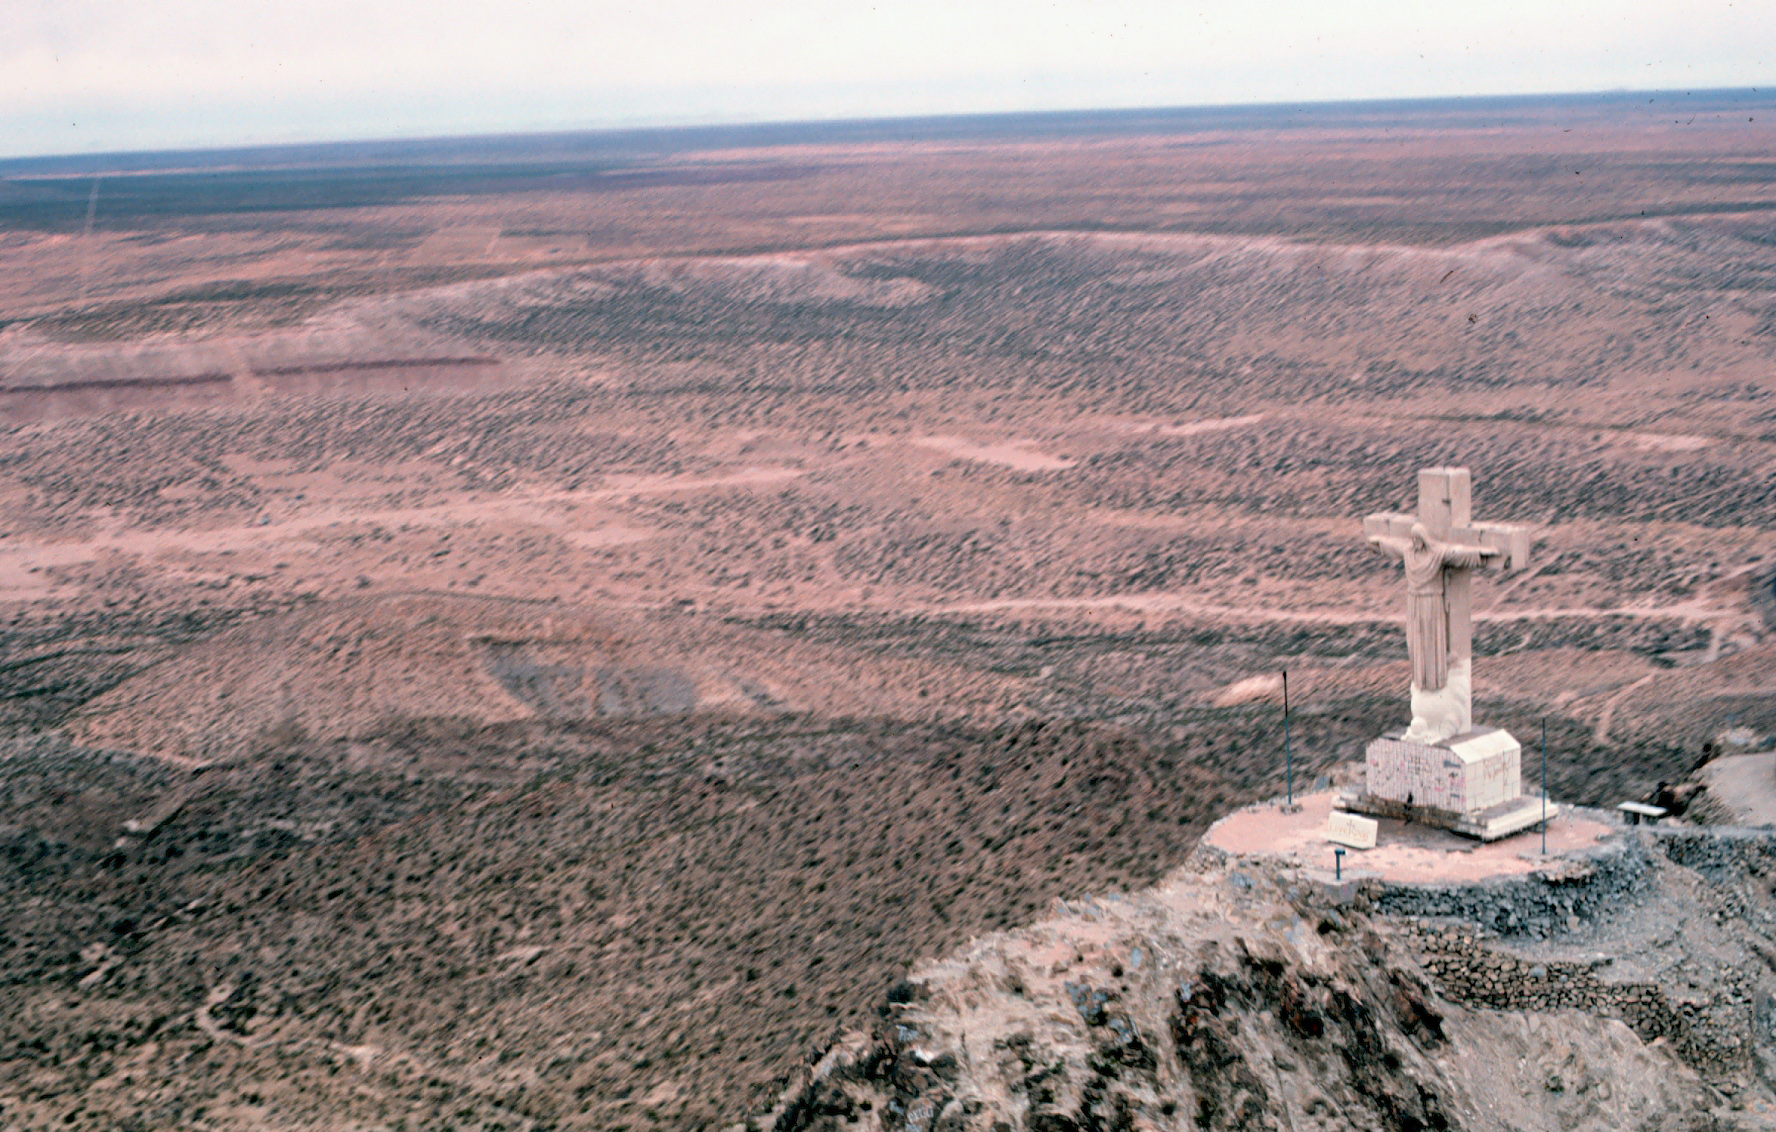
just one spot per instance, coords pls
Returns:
(1624, 985)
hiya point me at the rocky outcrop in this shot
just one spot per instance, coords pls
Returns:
(1241, 997)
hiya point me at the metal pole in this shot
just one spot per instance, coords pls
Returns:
(92, 207)
(1338, 864)
(1288, 752)
(1544, 786)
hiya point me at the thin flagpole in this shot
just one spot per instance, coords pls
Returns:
(92, 207)
(1544, 786)
(1288, 752)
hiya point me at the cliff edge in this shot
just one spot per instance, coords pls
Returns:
(1622, 983)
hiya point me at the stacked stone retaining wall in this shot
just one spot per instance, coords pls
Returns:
(1722, 854)
(1546, 902)
(1710, 1034)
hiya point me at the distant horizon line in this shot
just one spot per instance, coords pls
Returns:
(955, 125)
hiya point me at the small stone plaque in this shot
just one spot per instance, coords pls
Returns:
(1349, 829)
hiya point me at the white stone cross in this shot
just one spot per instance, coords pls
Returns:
(1441, 547)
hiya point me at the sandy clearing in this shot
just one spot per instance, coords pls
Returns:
(1668, 442)
(614, 535)
(1018, 454)
(1197, 428)
(1249, 689)
(648, 485)
(23, 565)
(23, 561)
(1746, 784)
(1221, 424)
(1191, 428)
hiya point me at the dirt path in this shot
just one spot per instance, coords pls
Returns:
(1608, 714)
(1178, 603)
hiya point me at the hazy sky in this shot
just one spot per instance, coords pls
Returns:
(88, 75)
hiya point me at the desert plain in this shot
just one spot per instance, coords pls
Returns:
(544, 632)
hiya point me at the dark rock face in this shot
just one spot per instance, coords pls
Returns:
(1336, 1027)
(1352, 1033)
(911, 1092)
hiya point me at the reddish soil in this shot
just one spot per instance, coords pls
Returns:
(987, 484)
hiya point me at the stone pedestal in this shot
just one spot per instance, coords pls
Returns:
(1471, 783)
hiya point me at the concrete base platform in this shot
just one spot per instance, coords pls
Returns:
(1472, 771)
(1489, 824)
(1406, 852)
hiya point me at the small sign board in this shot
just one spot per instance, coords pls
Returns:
(1351, 829)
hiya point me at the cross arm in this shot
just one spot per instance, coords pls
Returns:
(1509, 541)
(1388, 524)
(1385, 534)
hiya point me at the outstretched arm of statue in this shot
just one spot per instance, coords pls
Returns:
(1394, 546)
(1468, 558)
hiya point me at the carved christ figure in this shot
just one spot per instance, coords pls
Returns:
(1428, 563)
